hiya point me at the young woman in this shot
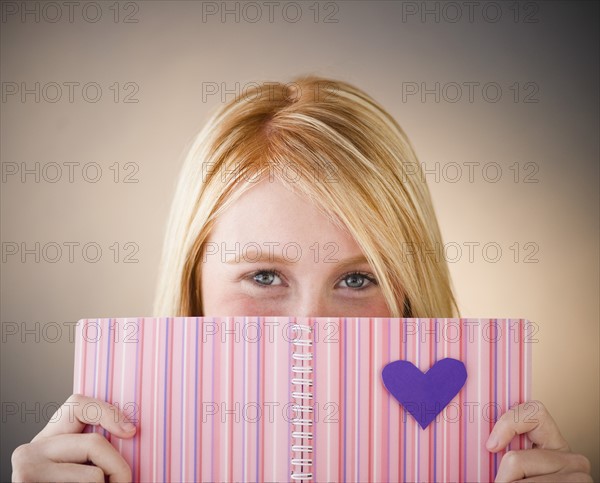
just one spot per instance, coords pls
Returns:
(298, 199)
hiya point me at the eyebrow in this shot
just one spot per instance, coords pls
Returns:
(254, 256)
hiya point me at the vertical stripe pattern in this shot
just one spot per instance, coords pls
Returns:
(211, 396)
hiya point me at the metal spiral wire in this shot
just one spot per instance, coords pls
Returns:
(301, 394)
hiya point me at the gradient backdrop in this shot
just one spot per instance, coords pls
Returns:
(499, 99)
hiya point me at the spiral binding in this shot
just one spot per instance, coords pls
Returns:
(302, 382)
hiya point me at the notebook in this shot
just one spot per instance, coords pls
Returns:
(307, 399)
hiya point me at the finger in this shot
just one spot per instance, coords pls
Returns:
(54, 459)
(531, 418)
(78, 410)
(528, 463)
(81, 448)
(64, 472)
(560, 478)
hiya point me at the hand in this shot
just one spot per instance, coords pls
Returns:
(549, 460)
(60, 451)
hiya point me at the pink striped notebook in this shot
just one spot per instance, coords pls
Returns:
(296, 398)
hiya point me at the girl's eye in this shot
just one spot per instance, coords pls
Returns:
(358, 280)
(354, 280)
(265, 278)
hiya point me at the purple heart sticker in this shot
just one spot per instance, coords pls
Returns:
(424, 396)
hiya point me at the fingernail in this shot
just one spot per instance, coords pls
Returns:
(492, 442)
(127, 426)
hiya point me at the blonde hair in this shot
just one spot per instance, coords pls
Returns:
(333, 143)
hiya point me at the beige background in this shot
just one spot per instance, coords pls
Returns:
(171, 53)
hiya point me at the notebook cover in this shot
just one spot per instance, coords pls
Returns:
(218, 398)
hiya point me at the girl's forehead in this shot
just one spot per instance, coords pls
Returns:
(271, 212)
